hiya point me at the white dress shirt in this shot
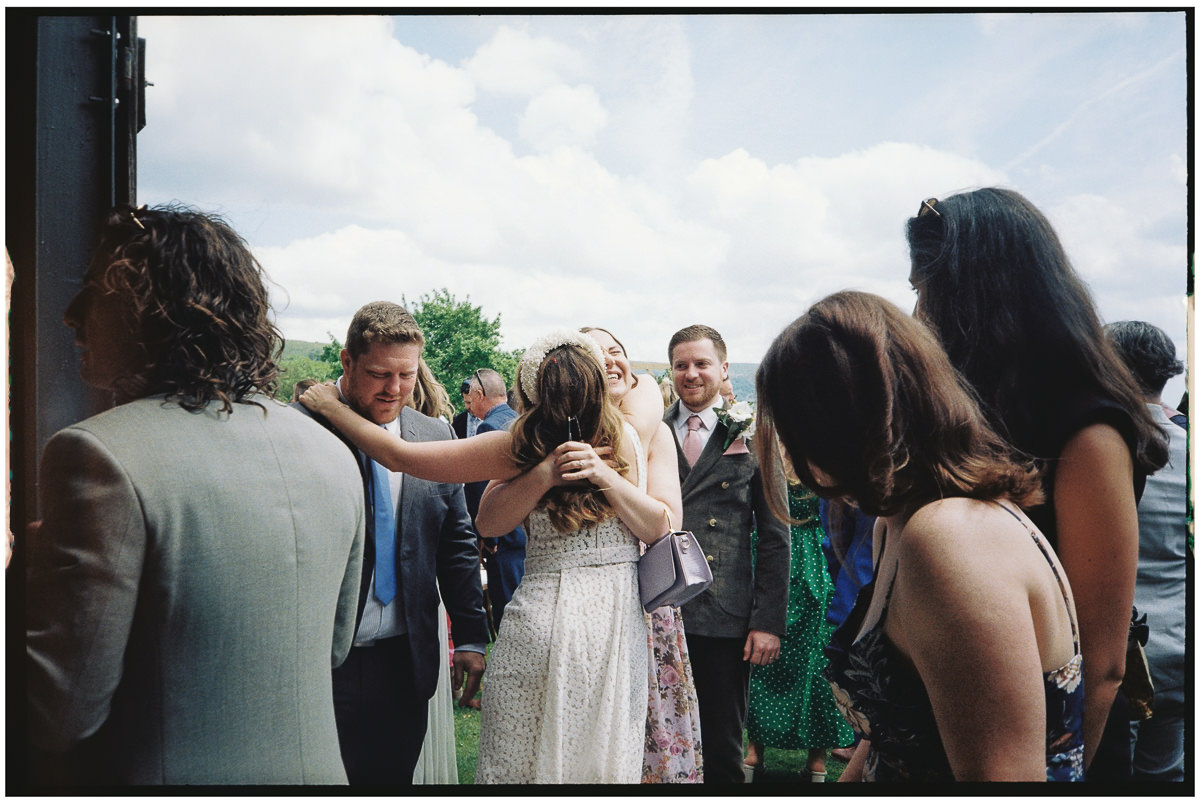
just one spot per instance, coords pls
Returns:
(708, 421)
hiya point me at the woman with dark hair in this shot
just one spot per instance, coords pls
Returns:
(960, 660)
(993, 282)
(196, 573)
(565, 698)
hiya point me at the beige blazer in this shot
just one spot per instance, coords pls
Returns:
(195, 578)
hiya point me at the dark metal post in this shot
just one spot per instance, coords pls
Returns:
(73, 110)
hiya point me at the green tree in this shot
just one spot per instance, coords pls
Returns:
(459, 339)
(321, 365)
(331, 353)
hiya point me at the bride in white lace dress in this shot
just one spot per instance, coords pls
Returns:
(564, 700)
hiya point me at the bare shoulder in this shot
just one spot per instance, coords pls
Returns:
(643, 407)
(662, 441)
(952, 534)
(1096, 443)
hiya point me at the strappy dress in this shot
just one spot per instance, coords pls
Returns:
(885, 701)
(565, 694)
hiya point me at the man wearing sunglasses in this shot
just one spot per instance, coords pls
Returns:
(504, 558)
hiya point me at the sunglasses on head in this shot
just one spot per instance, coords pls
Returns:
(927, 206)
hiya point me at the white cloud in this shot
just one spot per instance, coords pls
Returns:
(366, 159)
(515, 63)
(563, 116)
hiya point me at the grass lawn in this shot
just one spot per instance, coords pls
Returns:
(781, 767)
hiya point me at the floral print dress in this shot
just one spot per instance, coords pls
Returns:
(886, 702)
(672, 748)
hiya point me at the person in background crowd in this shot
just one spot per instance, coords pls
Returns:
(429, 396)
(673, 751)
(1161, 590)
(727, 391)
(738, 621)
(300, 387)
(847, 549)
(196, 571)
(961, 658)
(791, 705)
(503, 557)
(438, 761)
(994, 284)
(420, 546)
(666, 387)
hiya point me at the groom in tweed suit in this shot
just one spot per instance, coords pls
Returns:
(738, 620)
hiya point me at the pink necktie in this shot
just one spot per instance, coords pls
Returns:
(691, 442)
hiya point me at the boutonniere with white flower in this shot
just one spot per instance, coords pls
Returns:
(738, 419)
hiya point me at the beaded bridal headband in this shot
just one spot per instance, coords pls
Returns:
(531, 361)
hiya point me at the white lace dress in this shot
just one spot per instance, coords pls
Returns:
(564, 695)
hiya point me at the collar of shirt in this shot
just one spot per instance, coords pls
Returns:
(708, 418)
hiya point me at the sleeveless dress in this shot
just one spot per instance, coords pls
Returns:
(564, 697)
(887, 703)
(791, 705)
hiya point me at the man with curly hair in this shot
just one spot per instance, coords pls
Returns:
(196, 571)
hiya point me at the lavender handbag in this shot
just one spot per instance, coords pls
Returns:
(673, 570)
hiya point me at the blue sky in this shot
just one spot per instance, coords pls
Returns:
(643, 173)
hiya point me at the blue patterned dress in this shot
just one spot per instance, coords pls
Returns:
(887, 704)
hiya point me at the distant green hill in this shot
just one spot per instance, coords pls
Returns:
(309, 349)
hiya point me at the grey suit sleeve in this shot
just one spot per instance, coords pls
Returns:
(85, 567)
(346, 616)
(772, 567)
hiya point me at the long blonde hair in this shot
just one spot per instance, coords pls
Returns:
(429, 396)
(573, 405)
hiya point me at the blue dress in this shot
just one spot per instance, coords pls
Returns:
(887, 703)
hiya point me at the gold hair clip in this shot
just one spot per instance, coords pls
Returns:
(135, 217)
(927, 204)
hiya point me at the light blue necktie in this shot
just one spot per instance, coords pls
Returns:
(385, 534)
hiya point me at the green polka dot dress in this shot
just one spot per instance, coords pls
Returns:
(791, 703)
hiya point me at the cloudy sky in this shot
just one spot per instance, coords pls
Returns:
(643, 173)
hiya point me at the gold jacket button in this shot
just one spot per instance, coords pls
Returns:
(712, 523)
(724, 484)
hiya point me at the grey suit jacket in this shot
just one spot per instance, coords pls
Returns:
(435, 539)
(723, 503)
(193, 581)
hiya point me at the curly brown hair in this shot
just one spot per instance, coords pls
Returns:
(198, 305)
(573, 405)
(867, 394)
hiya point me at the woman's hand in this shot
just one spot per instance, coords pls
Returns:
(578, 462)
(322, 398)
